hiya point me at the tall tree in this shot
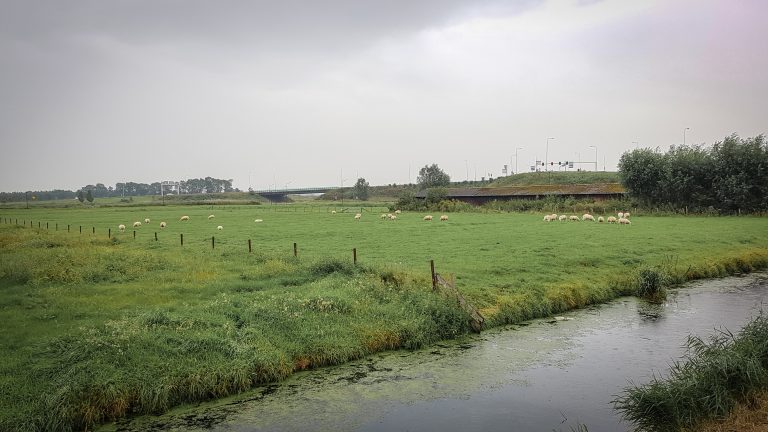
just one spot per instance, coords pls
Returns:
(89, 196)
(361, 189)
(80, 196)
(432, 176)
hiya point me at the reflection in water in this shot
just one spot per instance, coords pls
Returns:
(541, 376)
(650, 312)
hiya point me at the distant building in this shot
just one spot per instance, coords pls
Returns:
(482, 195)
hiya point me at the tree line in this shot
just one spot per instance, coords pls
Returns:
(127, 189)
(729, 177)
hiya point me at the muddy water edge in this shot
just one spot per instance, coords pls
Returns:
(542, 375)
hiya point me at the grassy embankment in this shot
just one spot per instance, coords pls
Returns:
(720, 376)
(97, 328)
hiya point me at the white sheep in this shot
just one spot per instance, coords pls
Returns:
(563, 218)
(397, 212)
(620, 215)
(333, 211)
(219, 227)
(392, 217)
(385, 216)
(600, 219)
(259, 220)
(163, 224)
(443, 218)
(624, 221)
(136, 224)
(146, 221)
(587, 217)
(211, 217)
(611, 219)
(428, 217)
(184, 218)
(626, 215)
(358, 216)
(553, 216)
(121, 228)
(547, 218)
(574, 219)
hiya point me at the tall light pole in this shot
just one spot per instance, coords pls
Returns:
(546, 155)
(466, 165)
(517, 150)
(595, 147)
(684, 130)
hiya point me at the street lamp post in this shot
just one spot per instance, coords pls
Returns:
(517, 150)
(595, 147)
(546, 155)
(684, 130)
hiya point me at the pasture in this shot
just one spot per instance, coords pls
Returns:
(96, 327)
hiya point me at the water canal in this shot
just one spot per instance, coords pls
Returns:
(544, 375)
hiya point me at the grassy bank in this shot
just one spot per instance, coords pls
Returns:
(99, 327)
(715, 376)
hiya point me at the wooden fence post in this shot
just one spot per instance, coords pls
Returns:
(182, 239)
(213, 242)
(155, 236)
(134, 234)
(434, 277)
(81, 229)
(94, 230)
(249, 246)
(295, 250)
(354, 256)
(109, 235)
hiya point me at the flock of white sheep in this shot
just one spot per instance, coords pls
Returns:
(164, 224)
(622, 219)
(393, 216)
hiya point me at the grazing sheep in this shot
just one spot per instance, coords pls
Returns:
(358, 216)
(587, 217)
(624, 221)
(547, 218)
(162, 224)
(146, 221)
(611, 219)
(211, 217)
(553, 216)
(574, 219)
(428, 217)
(392, 217)
(136, 224)
(184, 218)
(620, 215)
(563, 218)
(600, 219)
(385, 216)
(333, 211)
(219, 227)
(397, 211)
(259, 220)
(121, 228)
(443, 218)
(626, 215)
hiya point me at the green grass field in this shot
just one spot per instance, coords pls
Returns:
(97, 327)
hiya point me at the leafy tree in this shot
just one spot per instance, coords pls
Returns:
(740, 180)
(80, 196)
(641, 171)
(432, 176)
(89, 196)
(361, 189)
(435, 196)
(407, 201)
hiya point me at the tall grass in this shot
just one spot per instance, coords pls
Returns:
(96, 328)
(715, 375)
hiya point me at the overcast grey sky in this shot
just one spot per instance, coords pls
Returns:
(308, 92)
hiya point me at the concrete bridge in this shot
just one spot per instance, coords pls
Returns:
(280, 195)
